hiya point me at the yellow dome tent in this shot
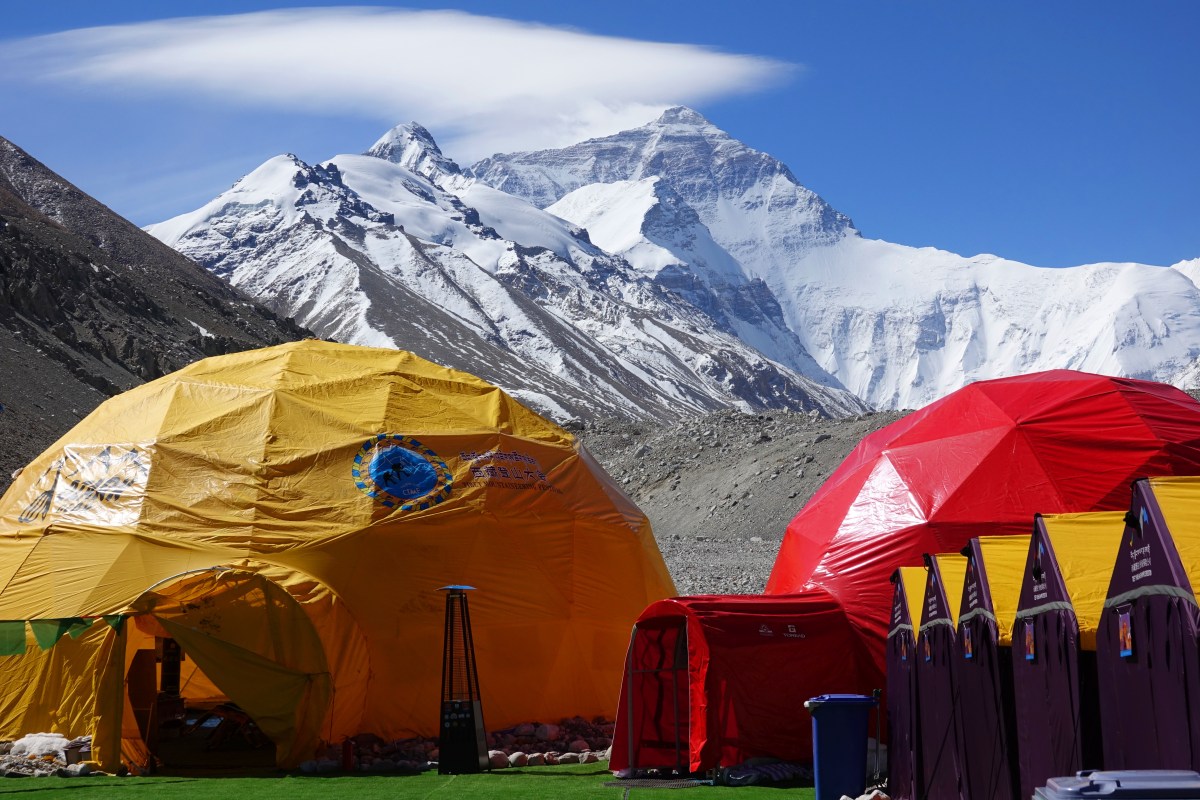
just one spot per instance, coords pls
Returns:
(287, 516)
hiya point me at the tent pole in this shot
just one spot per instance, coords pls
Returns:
(107, 733)
(186, 573)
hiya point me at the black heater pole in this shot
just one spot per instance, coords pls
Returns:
(462, 744)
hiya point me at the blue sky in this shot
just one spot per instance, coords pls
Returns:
(1052, 133)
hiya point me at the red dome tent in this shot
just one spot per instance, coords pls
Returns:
(979, 462)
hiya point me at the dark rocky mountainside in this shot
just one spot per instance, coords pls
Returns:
(90, 305)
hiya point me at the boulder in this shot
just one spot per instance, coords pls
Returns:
(498, 759)
(518, 759)
(547, 733)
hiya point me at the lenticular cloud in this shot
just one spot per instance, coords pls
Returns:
(510, 83)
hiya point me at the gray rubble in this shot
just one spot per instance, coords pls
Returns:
(721, 489)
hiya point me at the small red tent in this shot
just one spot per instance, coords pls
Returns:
(718, 679)
(979, 462)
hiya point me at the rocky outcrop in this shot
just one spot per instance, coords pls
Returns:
(91, 306)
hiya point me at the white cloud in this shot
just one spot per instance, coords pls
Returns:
(481, 84)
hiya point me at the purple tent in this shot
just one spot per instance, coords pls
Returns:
(1054, 661)
(1147, 660)
(987, 719)
(903, 757)
(936, 688)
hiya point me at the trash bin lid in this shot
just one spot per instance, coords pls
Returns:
(848, 699)
(1178, 784)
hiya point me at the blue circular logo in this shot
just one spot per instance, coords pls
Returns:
(402, 473)
(399, 470)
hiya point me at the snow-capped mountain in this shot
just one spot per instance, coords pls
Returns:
(897, 325)
(397, 247)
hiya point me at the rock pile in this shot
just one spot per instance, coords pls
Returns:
(532, 744)
(43, 755)
(720, 489)
(571, 741)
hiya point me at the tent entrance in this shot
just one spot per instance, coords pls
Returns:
(183, 719)
(248, 656)
(658, 700)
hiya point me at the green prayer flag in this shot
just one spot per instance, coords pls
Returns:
(48, 631)
(12, 637)
(77, 626)
(115, 621)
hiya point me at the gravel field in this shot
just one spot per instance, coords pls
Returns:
(720, 489)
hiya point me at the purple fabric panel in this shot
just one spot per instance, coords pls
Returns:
(936, 690)
(1150, 698)
(899, 604)
(902, 716)
(903, 759)
(937, 693)
(1150, 701)
(1147, 556)
(1046, 694)
(987, 745)
(936, 605)
(977, 593)
(987, 735)
(1042, 582)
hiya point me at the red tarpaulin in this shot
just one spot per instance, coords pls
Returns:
(718, 679)
(979, 462)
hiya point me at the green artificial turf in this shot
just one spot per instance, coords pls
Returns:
(582, 782)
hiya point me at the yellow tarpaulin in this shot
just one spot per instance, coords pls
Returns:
(953, 569)
(1179, 501)
(913, 580)
(354, 482)
(1085, 548)
(1004, 564)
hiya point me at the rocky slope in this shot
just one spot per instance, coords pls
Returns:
(90, 305)
(720, 489)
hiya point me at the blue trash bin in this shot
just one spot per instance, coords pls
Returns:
(1126, 784)
(840, 743)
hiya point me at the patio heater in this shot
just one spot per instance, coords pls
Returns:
(462, 743)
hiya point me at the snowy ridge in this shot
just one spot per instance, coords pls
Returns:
(898, 326)
(661, 271)
(662, 237)
(397, 248)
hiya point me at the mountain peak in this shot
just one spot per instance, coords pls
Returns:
(412, 146)
(682, 115)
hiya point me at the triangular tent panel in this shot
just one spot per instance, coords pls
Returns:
(1067, 570)
(1147, 660)
(988, 753)
(902, 701)
(936, 678)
